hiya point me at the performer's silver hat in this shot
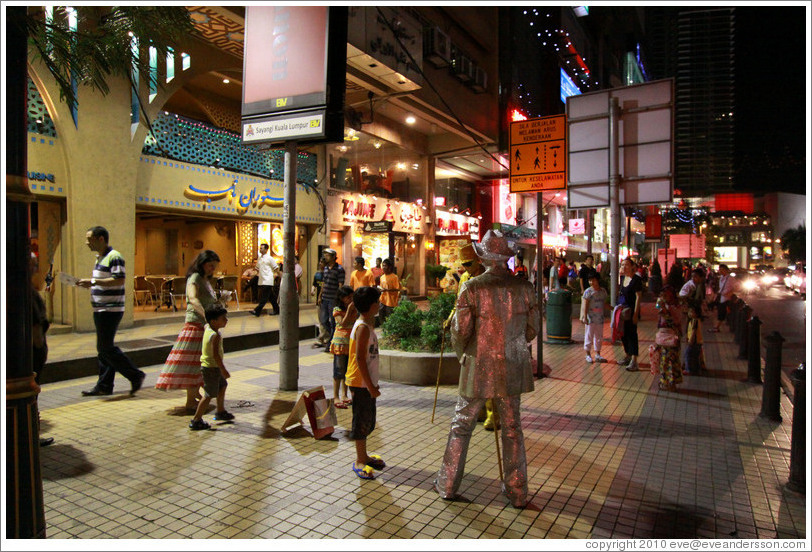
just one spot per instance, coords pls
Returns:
(493, 247)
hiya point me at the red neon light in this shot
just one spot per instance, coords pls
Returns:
(516, 115)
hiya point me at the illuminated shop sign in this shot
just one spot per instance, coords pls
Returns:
(253, 199)
(449, 224)
(405, 217)
(568, 88)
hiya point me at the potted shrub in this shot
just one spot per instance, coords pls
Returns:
(411, 341)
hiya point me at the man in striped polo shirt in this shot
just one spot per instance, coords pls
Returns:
(333, 279)
(107, 297)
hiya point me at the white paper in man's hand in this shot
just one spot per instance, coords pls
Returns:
(67, 279)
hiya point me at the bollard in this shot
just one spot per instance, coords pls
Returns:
(741, 322)
(797, 455)
(771, 398)
(732, 313)
(742, 334)
(753, 343)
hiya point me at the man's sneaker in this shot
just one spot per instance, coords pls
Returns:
(599, 358)
(223, 416)
(632, 367)
(588, 358)
(197, 425)
(625, 361)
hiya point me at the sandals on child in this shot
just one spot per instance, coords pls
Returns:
(363, 473)
(376, 462)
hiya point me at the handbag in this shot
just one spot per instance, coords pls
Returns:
(666, 337)
(626, 313)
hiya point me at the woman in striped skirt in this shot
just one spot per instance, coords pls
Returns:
(182, 367)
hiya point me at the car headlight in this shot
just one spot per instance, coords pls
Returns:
(750, 285)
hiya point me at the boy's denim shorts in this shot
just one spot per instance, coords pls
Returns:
(363, 413)
(213, 381)
(340, 363)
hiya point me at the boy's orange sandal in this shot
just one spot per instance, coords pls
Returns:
(363, 473)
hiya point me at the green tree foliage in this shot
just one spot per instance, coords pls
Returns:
(793, 243)
(101, 46)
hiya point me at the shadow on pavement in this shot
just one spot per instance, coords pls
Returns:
(63, 461)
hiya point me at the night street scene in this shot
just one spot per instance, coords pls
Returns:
(460, 272)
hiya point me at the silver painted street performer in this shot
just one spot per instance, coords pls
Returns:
(496, 316)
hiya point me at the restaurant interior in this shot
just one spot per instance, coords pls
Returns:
(166, 244)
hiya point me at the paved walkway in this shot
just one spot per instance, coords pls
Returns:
(608, 456)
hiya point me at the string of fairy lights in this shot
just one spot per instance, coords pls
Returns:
(555, 40)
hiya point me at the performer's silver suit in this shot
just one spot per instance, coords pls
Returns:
(496, 316)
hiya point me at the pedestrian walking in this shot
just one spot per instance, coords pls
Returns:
(107, 297)
(315, 290)
(496, 317)
(334, 277)
(182, 367)
(362, 380)
(630, 297)
(667, 339)
(267, 269)
(587, 268)
(345, 315)
(726, 289)
(694, 358)
(298, 271)
(213, 369)
(593, 303)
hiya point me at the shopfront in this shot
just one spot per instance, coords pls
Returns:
(370, 227)
(229, 213)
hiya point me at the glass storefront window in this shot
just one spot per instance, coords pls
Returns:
(369, 165)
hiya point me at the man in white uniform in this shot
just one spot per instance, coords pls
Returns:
(267, 268)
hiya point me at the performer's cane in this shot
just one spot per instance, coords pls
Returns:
(439, 367)
(498, 453)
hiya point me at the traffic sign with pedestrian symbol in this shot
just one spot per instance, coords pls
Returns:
(538, 154)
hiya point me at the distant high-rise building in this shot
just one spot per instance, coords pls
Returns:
(696, 47)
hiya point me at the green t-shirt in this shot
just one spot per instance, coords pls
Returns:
(205, 293)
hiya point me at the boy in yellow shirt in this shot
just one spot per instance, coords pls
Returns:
(362, 379)
(213, 368)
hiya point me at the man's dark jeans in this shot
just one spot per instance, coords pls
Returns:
(111, 358)
(326, 317)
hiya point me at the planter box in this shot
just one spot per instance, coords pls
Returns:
(418, 368)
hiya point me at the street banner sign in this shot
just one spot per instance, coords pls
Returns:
(538, 154)
(294, 74)
(645, 135)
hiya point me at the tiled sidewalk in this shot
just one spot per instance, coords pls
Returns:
(608, 456)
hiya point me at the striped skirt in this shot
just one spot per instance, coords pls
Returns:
(182, 367)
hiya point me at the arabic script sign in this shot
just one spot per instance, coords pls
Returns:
(253, 199)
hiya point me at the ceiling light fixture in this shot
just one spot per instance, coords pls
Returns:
(226, 81)
(410, 119)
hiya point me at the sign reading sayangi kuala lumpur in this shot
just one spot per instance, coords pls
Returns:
(294, 73)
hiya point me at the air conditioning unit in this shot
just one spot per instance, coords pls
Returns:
(480, 81)
(436, 47)
(462, 66)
